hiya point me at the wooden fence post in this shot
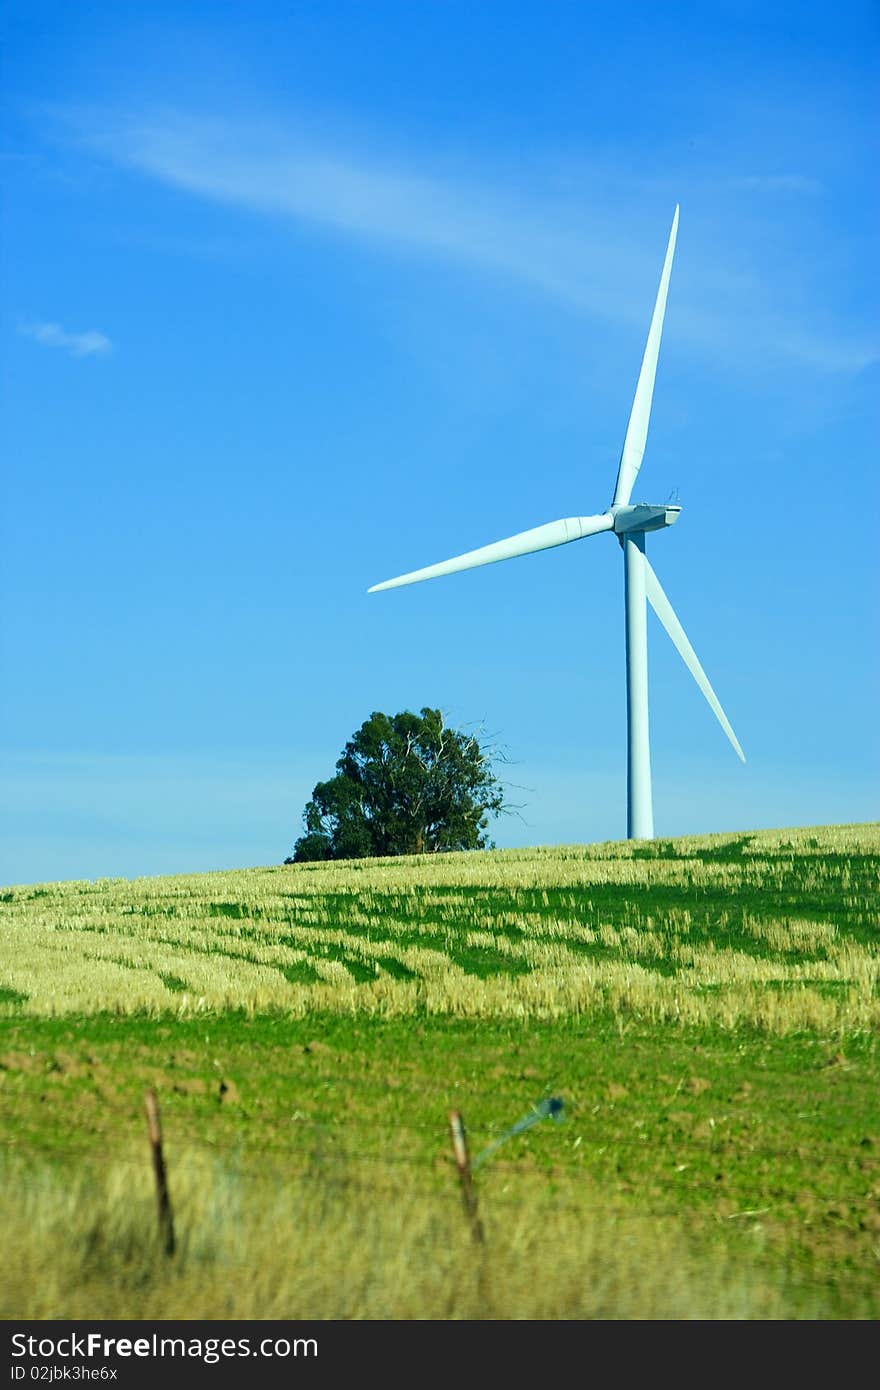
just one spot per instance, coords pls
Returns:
(463, 1164)
(163, 1200)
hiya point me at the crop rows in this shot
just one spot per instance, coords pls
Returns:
(774, 929)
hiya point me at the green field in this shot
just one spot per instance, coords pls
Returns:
(707, 1008)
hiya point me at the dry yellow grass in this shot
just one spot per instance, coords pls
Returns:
(704, 930)
(324, 1246)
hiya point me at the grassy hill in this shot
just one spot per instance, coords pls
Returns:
(707, 1008)
(777, 929)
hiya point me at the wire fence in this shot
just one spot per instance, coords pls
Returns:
(323, 1170)
(648, 1207)
(258, 1151)
(318, 1146)
(720, 1142)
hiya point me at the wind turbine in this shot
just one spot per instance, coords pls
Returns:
(630, 523)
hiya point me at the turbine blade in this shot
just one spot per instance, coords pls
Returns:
(573, 528)
(665, 612)
(640, 415)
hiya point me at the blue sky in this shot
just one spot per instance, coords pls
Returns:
(299, 297)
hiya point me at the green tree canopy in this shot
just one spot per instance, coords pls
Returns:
(405, 784)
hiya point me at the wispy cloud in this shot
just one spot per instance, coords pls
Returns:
(89, 344)
(585, 250)
(273, 171)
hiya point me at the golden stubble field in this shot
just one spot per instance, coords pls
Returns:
(776, 929)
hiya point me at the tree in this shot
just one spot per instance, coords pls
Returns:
(405, 784)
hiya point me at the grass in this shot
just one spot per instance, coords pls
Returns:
(707, 1008)
(331, 1248)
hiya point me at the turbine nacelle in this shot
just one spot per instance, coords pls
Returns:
(643, 517)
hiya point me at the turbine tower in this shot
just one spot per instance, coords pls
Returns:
(630, 523)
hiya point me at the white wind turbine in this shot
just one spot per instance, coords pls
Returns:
(629, 523)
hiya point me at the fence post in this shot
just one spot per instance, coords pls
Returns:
(163, 1200)
(463, 1164)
